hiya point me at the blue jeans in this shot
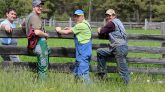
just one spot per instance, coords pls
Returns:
(120, 53)
(83, 57)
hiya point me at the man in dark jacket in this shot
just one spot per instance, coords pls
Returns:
(118, 48)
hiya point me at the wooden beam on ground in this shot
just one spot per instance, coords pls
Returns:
(68, 67)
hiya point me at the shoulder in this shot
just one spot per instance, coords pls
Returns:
(4, 22)
(35, 17)
(116, 20)
(110, 24)
(83, 24)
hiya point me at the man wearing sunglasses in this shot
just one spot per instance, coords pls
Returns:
(113, 30)
(33, 22)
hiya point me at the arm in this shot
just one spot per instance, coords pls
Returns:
(40, 33)
(6, 27)
(36, 24)
(66, 30)
(104, 31)
(109, 27)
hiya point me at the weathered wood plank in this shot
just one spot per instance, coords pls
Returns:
(137, 49)
(146, 37)
(68, 67)
(19, 33)
(146, 60)
(135, 60)
(69, 51)
(113, 69)
(16, 33)
(60, 67)
(56, 51)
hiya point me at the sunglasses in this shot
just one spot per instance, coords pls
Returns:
(40, 6)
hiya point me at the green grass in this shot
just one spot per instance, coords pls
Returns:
(140, 31)
(24, 80)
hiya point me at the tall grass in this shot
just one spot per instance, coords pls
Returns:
(13, 80)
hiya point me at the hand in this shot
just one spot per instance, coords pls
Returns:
(8, 28)
(58, 29)
(67, 28)
(98, 29)
(46, 35)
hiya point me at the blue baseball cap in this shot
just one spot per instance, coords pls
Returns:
(79, 12)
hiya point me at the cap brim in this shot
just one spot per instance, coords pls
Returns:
(107, 14)
(42, 3)
(79, 14)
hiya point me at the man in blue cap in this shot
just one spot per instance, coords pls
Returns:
(83, 45)
(33, 22)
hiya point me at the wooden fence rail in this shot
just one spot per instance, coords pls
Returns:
(18, 33)
(68, 67)
(70, 52)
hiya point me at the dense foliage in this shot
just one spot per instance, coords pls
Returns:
(128, 10)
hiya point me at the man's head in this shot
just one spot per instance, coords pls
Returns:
(79, 15)
(110, 14)
(11, 14)
(37, 6)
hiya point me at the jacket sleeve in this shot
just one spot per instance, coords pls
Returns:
(105, 30)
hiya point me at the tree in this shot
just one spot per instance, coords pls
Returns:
(22, 7)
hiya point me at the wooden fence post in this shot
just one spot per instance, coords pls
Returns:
(162, 28)
(70, 22)
(53, 23)
(146, 24)
(50, 22)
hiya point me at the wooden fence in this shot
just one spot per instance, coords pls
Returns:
(70, 52)
(94, 24)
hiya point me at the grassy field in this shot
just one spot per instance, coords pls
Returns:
(24, 80)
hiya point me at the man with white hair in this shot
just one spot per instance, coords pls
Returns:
(118, 48)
